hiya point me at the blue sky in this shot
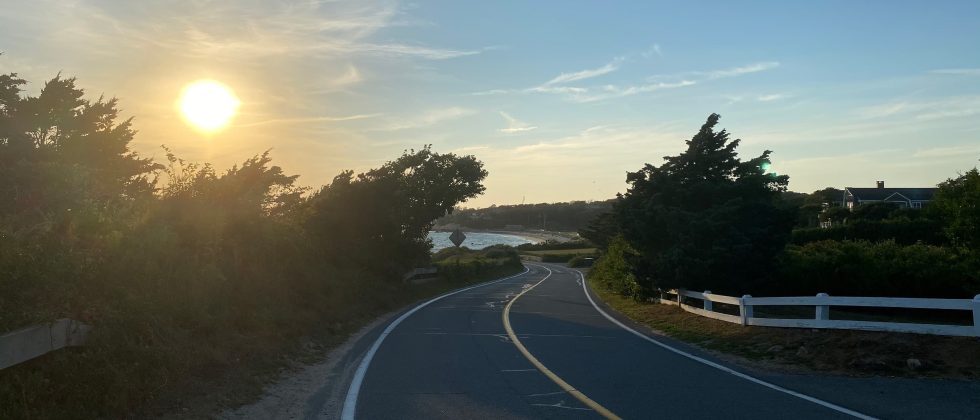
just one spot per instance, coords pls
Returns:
(559, 99)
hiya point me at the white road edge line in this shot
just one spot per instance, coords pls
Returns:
(350, 402)
(722, 368)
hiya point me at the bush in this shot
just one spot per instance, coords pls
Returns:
(457, 264)
(862, 268)
(903, 231)
(580, 261)
(613, 271)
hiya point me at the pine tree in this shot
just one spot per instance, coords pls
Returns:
(705, 219)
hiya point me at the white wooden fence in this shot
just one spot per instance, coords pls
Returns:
(27, 343)
(822, 303)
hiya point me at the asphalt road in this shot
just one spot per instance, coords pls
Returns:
(453, 358)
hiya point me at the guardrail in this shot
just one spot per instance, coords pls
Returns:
(420, 275)
(27, 343)
(822, 303)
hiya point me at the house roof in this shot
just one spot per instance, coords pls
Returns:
(914, 194)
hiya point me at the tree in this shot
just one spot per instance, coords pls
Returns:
(384, 215)
(59, 151)
(601, 230)
(705, 219)
(957, 203)
(832, 197)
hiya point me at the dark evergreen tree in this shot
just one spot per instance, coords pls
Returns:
(705, 219)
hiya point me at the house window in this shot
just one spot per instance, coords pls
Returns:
(916, 204)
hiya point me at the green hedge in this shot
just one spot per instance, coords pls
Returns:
(903, 231)
(457, 264)
(862, 268)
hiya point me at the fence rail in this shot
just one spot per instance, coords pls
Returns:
(27, 343)
(822, 303)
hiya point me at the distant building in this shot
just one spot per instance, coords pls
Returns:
(913, 198)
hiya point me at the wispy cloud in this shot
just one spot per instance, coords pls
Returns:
(469, 149)
(222, 30)
(940, 108)
(959, 72)
(306, 120)
(583, 94)
(613, 91)
(654, 50)
(349, 77)
(570, 90)
(585, 148)
(585, 74)
(738, 71)
(883, 110)
(408, 50)
(428, 118)
(771, 97)
(942, 152)
(514, 125)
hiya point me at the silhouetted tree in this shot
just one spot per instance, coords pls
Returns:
(705, 219)
(957, 203)
(383, 216)
(601, 230)
(59, 151)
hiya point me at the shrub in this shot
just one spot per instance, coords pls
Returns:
(580, 261)
(903, 231)
(862, 268)
(613, 271)
(464, 263)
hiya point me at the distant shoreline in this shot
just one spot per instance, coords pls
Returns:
(533, 236)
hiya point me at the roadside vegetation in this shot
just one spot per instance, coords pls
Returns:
(190, 275)
(576, 253)
(707, 220)
(464, 264)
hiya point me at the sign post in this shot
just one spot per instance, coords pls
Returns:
(457, 237)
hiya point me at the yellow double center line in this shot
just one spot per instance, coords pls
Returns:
(547, 372)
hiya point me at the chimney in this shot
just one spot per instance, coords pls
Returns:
(881, 184)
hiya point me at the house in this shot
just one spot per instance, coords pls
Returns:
(904, 197)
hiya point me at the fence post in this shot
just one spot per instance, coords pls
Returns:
(707, 303)
(679, 297)
(823, 311)
(976, 315)
(744, 311)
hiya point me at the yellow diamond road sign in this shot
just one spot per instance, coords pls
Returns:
(457, 237)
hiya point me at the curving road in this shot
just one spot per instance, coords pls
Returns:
(565, 357)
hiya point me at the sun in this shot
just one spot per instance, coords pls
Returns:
(208, 105)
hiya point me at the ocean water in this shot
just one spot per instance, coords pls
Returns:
(476, 240)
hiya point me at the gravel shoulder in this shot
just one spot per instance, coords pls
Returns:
(316, 390)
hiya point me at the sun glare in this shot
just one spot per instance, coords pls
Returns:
(208, 105)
